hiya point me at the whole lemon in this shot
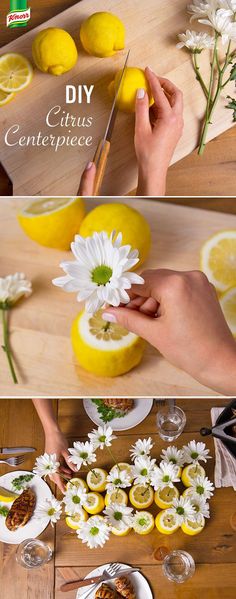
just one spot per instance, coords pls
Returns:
(123, 219)
(54, 51)
(102, 34)
(133, 79)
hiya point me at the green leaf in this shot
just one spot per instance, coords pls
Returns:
(106, 414)
(20, 482)
(3, 511)
(233, 73)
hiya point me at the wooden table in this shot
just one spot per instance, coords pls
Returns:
(214, 550)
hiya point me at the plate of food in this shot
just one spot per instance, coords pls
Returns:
(133, 586)
(21, 492)
(121, 413)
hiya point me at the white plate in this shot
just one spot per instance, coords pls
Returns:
(34, 527)
(139, 582)
(141, 409)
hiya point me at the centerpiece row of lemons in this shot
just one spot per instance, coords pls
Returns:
(54, 51)
(140, 497)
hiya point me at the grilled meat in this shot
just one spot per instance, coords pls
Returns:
(21, 510)
(105, 592)
(124, 405)
(125, 588)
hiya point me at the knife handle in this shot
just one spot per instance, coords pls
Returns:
(77, 584)
(100, 159)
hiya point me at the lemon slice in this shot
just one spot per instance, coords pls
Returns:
(141, 496)
(228, 305)
(193, 528)
(119, 496)
(94, 503)
(75, 521)
(166, 523)
(7, 496)
(121, 533)
(218, 259)
(5, 97)
(144, 523)
(16, 72)
(97, 479)
(191, 472)
(53, 222)
(164, 497)
(77, 482)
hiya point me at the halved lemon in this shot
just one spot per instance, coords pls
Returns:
(228, 305)
(164, 497)
(53, 222)
(94, 503)
(191, 472)
(97, 479)
(74, 522)
(124, 466)
(5, 97)
(7, 496)
(218, 259)
(141, 496)
(144, 523)
(193, 528)
(16, 72)
(166, 523)
(119, 496)
(77, 482)
(188, 492)
(121, 533)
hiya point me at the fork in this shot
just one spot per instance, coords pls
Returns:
(111, 570)
(16, 461)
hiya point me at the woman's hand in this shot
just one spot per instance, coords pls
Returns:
(87, 181)
(55, 442)
(157, 132)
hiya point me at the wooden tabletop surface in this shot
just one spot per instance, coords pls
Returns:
(214, 550)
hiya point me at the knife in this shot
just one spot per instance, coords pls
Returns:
(6, 450)
(103, 148)
(76, 584)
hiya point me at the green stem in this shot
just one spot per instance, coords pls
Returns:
(112, 457)
(198, 74)
(6, 345)
(210, 105)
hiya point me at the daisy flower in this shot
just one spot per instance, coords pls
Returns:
(195, 452)
(82, 454)
(201, 507)
(74, 499)
(119, 516)
(46, 464)
(173, 455)
(182, 509)
(164, 475)
(202, 486)
(51, 508)
(201, 8)
(117, 479)
(102, 437)
(221, 21)
(142, 470)
(12, 288)
(95, 532)
(142, 447)
(100, 274)
(195, 41)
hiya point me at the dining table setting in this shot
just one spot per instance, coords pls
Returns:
(155, 551)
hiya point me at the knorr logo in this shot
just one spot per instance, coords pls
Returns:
(19, 14)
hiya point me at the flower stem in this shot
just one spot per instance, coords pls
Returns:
(210, 104)
(6, 345)
(112, 457)
(198, 74)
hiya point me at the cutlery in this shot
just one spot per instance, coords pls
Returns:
(112, 570)
(6, 450)
(77, 584)
(14, 461)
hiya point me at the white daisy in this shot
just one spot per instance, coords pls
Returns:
(51, 508)
(222, 22)
(202, 486)
(201, 507)
(74, 499)
(173, 455)
(201, 8)
(12, 288)
(102, 437)
(95, 532)
(228, 4)
(195, 41)
(100, 275)
(118, 479)
(82, 454)
(119, 516)
(142, 447)
(164, 475)
(142, 470)
(183, 509)
(195, 452)
(46, 464)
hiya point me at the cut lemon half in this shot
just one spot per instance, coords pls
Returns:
(94, 503)
(7, 496)
(119, 496)
(143, 523)
(75, 521)
(228, 305)
(124, 466)
(190, 473)
(193, 528)
(53, 222)
(16, 72)
(103, 348)
(5, 97)
(77, 482)
(97, 479)
(164, 497)
(166, 523)
(120, 533)
(218, 259)
(141, 496)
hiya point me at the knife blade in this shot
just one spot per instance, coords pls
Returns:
(7, 450)
(76, 584)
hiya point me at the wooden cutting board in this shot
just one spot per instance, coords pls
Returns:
(40, 325)
(152, 29)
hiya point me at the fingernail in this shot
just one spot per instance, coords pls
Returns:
(109, 317)
(88, 166)
(140, 93)
(150, 69)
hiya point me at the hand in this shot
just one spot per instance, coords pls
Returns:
(157, 132)
(55, 442)
(179, 314)
(87, 180)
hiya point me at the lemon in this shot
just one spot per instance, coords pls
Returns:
(102, 34)
(7, 496)
(193, 528)
(75, 521)
(124, 466)
(5, 97)
(123, 219)
(16, 72)
(119, 496)
(144, 523)
(188, 492)
(54, 51)
(228, 305)
(121, 533)
(53, 222)
(141, 496)
(94, 503)
(105, 349)
(191, 472)
(97, 479)
(166, 523)
(133, 79)
(77, 482)
(164, 497)
(218, 259)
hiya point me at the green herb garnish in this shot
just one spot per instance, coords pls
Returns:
(3, 511)
(107, 414)
(20, 482)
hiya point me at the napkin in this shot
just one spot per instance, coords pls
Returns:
(225, 464)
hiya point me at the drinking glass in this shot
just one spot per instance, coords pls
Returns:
(170, 423)
(178, 566)
(33, 553)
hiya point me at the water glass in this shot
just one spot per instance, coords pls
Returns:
(33, 553)
(170, 423)
(178, 566)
